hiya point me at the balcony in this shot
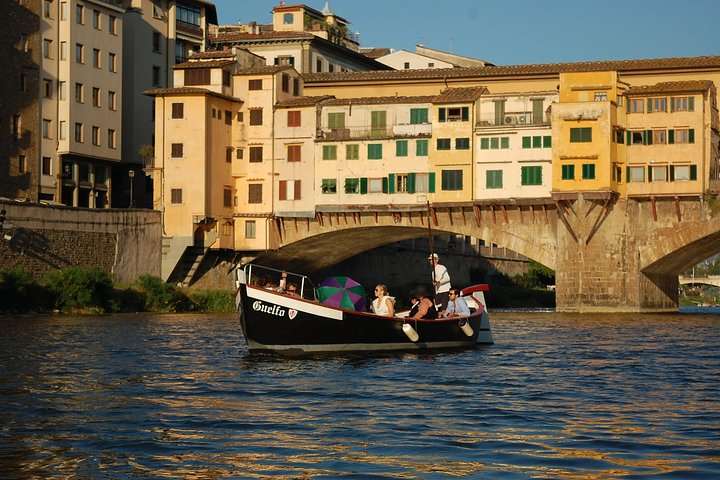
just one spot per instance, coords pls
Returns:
(376, 133)
(512, 119)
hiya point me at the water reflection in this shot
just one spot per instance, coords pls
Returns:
(558, 396)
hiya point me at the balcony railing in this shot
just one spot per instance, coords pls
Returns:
(369, 133)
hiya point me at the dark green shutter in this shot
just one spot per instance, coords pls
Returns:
(627, 174)
(671, 136)
(650, 105)
(363, 185)
(547, 141)
(648, 137)
(649, 174)
(385, 185)
(691, 136)
(465, 114)
(526, 142)
(672, 173)
(414, 116)
(441, 114)
(629, 137)
(411, 183)
(691, 104)
(431, 182)
(693, 172)
(391, 183)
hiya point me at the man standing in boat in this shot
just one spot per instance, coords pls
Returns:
(440, 280)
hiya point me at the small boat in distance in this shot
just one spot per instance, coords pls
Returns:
(276, 320)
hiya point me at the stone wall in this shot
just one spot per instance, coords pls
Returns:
(39, 238)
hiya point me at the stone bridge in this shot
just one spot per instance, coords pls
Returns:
(713, 280)
(609, 254)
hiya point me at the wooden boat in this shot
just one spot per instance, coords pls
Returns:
(274, 321)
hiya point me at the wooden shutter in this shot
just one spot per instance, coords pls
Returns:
(363, 185)
(282, 190)
(693, 172)
(297, 189)
(411, 183)
(391, 183)
(671, 136)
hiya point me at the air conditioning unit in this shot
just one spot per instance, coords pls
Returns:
(524, 118)
(510, 120)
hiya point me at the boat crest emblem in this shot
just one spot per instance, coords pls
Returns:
(292, 313)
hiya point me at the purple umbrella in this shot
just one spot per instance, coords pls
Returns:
(342, 292)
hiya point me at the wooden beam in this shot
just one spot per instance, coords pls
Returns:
(677, 208)
(505, 213)
(654, 209)
(478, 215)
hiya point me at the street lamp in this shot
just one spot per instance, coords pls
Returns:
(131, 174)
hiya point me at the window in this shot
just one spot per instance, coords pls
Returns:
(22, 164)
(352, 185)
(285, 83)
(289, 190)
(197, 76)
(375, 185)
(452, 180)
(79, 53)
(375, 151)
(176, 195)
(255, 193)
(293, 118)
(23, 82)
(156, 75)
(95, 135)
(462, 144)
(682, 104)
(657, 173)
(683, 172)
(568, 172)
(328, 185)
(287, 60)
(256, 116)
(178, 110)
(401, 148)
(418, 115)
(454, 114)
(111, 137)
(112, 24)
(189, 14)
(97, 25)
(156, 41)
(239, 154)
(329, 152)
(255, 84)
(96, 57)
(352, 151)
(287, 18)
(79, 92)
(681, 135)
(250, 229)
(636, 174)
(293, 153)
(401, 183)
(46, 128)
(407, 65)
(112, 105)
(96, 96)
(112, 65)
(226, 77)
(46, 166)
(636, 105)
(531, 175)
(581, 135)
(422, 182)
(636, 138)
(79, 132)
(63, 50)
(659, 137)
(227, 197)
(336, 120)
(228, 154)
(256, 154)
(493, 179)
(658, 104)
(47, 88)
(62, 135)
(421, 148)
(16, 127)
(47, 8)
(588, 171)
(176, 150)
(296, 82)
(47, 48)
(601, 96)
(443, 144)
(79, 14)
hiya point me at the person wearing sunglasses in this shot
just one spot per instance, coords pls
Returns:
(292, 289)
(383, 303)
(457, 306)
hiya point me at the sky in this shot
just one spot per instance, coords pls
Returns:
(519, 32)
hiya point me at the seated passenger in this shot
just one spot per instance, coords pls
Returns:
(422, 307)
(383, 304)
(457, 306)
(292, 290)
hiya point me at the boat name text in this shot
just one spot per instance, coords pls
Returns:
(276, 310)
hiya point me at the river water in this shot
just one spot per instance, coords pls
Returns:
(558, 396)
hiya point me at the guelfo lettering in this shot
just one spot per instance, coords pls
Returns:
(276, 310)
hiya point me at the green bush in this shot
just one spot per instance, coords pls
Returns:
(213, 300)
(161, 296)
(78, 289)
(20, 293)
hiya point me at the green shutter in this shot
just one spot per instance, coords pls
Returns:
(650, 105)
(391, 183)
(441, 114)
(414, 116)
(363, 185)
(672, 173)
(465, 112)
(648, 137)
(693, 172)
(627, 174)
(411, 183)
(484, 143)
(672, 104)
(504, 143)
(431, 182)
(691, 104)
(401, 148)
(547, 141)
(671, 136)
(691, 135)
(527, 141)
(537, 142)
(649, 174)
(629, 137)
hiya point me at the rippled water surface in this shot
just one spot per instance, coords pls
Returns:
(177, 396)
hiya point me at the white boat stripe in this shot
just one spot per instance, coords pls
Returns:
(299, 305)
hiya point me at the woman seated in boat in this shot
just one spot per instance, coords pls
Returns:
(383, 303)
(457, 306)
(422, 307)
(292, 289)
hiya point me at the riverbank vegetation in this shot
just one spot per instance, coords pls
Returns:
(91, 291)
